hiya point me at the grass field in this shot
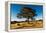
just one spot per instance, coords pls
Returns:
(26, 25)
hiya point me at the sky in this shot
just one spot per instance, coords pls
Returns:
(16, 8)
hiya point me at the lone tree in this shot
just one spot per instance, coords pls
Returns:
(26, 12)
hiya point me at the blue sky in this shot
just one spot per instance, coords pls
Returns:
(15, 8)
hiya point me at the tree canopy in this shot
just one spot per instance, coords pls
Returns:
(27, 12)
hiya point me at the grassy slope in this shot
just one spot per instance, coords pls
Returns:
(36, 24)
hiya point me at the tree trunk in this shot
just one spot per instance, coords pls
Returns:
(28, 19)
(31, 18)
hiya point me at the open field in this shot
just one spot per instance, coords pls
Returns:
(26, 25)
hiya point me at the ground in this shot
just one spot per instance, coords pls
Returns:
(26, 25)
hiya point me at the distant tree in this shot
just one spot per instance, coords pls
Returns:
(26, 12)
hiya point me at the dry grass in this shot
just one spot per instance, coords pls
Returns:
(36, 24)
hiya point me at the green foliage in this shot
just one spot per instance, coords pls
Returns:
(26, 13)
